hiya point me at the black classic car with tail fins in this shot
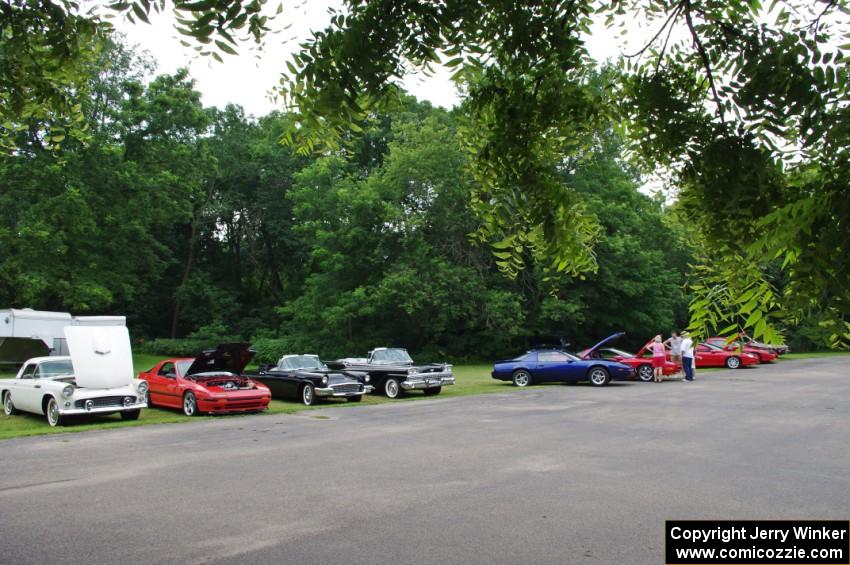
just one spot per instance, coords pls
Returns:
(393, 372)
(306, 378)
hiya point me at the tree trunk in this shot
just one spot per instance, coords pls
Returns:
(187, 271)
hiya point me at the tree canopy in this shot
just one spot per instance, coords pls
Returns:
(744, 105)
(196, 222)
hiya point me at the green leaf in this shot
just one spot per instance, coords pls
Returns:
(225, 47)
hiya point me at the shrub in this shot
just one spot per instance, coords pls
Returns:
(186, 347)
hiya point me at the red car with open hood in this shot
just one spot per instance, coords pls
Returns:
(641, 361)
(212, 382)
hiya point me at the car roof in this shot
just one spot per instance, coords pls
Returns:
(42, 359)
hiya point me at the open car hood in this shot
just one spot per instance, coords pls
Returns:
(610, 338)
(101, 356)
(227, 357)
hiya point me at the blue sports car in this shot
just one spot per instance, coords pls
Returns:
(549, 364)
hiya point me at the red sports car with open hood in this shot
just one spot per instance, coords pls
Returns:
(641, 363)
(211, 382)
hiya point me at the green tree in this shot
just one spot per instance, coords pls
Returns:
(752, 97)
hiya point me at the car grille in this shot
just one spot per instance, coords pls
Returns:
(347, 388)
(103, 402)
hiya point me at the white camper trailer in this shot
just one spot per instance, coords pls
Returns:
(30, 333)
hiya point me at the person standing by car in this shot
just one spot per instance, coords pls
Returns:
(659, 354)
(675, 343)
(687, 348)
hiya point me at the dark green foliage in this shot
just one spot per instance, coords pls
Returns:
(47, 52)
(746, 105)
(198, 225)
(751, 116)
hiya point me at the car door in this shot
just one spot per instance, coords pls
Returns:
(280, 383)
(554, 366)
(26, 396)
(289, 383)
(164, 389)
(706, 357)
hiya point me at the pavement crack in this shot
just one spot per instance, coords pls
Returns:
(34, 485)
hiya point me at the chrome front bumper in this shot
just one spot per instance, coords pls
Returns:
(329, 391)
(427, 380)
(103, 410)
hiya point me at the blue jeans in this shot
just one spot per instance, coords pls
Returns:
(688, 366)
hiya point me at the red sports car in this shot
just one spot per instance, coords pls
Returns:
(708, 355)
(641, 362)
(212, 382)
(764, 355)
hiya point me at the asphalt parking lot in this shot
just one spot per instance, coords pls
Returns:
(552, 474)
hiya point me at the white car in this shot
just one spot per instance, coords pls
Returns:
(97, 378)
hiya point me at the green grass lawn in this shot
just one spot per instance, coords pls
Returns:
(471, 379)
(814, 354)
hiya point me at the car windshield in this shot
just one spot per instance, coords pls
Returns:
(555, 356)
(391, 356)
(301, 362)
(183, 366)
(712, 346)
(49, 369)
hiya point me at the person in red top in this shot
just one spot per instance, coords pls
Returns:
(659, 354)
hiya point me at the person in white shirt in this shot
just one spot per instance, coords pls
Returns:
(688, 356)
(675, 343)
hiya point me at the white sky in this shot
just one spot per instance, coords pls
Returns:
(246, 79)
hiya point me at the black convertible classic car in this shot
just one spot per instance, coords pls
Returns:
(305, 377)
(393, 372)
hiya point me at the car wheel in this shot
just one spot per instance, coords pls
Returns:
(392, 388)
(733, 362)
(51, 412)
(598, 376)
(433, 391)
(8, 407)
(308, 394)
(521, 378)
(148, 400)
(130, 415)
(357, 398)
(645, 373)
(190, 404)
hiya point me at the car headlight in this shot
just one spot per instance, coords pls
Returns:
(324, 380)
(412, 371)
(68, 391)
(143, 387)
(366, 378)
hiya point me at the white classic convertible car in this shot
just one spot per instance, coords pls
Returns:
(97, 378)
